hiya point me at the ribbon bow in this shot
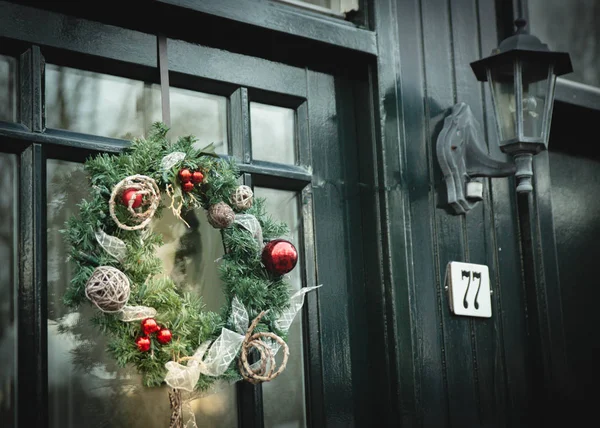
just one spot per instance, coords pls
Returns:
(213, 358)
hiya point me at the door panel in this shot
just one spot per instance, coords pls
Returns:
(273, 135)
(575, 179)
(575, 186)
(87, 88)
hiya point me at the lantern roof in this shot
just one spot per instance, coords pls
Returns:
(526, 46)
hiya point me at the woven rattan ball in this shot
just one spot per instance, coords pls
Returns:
(241, 199)
(108, 289)
(220, 215)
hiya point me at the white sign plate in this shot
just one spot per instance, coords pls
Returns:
(469, 289)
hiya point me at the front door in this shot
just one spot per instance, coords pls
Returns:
(86, 88)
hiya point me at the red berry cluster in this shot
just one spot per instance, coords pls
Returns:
(149, 327)
(189, 178)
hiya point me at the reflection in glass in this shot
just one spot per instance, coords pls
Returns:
(199, 114)
(85, 387)
(8, 341)
(273, 133)
(339, 6)
(284, 404)
(572, 26)
(99, 104)
(8, 89)
(535, 90)
(111, 106)
(503, 95)
(189, 255)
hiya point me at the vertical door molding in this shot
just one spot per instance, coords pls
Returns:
(310, 312)
(396, 91)
(32, 372)
(250, 396)
(32, 365)
(31, 81)
(239, 128)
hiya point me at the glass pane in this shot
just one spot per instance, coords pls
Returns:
(201, 115)
(8, 328)
(100, 104)
(111, 106)
(189, 254)
(8, 89)
(322, 3)
(273, 133)
(572, 26)
(503, 95)
(535, 88)
(283, 398)
(339, 6)
(85, 386)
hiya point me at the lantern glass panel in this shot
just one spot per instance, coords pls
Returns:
(502, 83)
(538, 82)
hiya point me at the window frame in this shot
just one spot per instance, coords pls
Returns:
(35, 144)
(313, 23)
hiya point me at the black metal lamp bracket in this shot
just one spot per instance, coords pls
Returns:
(462, 156)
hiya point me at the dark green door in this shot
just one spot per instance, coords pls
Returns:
(88, 87)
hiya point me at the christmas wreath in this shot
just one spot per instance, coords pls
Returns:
(150, 323)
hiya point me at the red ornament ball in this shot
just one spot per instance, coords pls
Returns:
(149, 326)
(185, 175)
(279, 256)
(143, 343)
(188, 186)
(197, 177)
(164, 336)
(130, 194)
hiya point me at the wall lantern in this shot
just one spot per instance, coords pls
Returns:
(521, 74)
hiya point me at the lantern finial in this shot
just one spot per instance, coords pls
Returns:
(521, 23)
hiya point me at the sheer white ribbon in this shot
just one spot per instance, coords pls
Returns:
(213, 358)
(284, 321)
(211, 363)
(170, 160)
(136, 313)
(286, 318)
(112, 245)
(252, 225)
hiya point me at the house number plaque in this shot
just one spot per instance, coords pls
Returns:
(468, 287)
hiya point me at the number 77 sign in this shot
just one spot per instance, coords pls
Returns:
(469, 289)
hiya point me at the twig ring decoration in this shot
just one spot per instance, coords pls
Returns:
(266, 371)
(144, 186)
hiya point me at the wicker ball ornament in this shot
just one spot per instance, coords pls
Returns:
(242, 198)
(108, 288)
(220, 215)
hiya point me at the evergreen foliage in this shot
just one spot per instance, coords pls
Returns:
(241, 270)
